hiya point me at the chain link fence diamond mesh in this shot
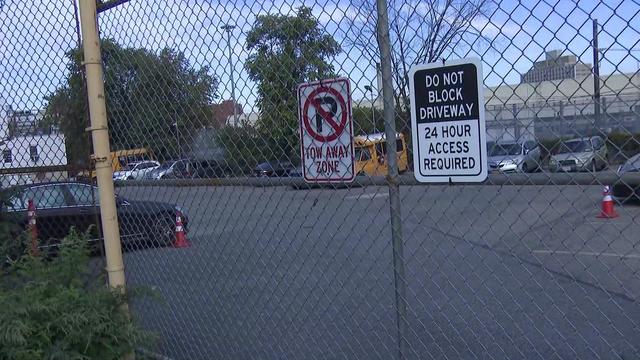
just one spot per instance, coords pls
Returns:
(203, 110)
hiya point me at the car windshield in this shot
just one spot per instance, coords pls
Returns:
(574, 146)
(129, 167)
(633, 164)
(166, 165)
(506, 149)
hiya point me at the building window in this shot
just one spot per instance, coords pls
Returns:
(6, 156)
(33, 153)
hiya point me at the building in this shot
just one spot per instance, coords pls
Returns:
(29, 151)
(556, 67)
(248, 119)
(223, 113)
(563, 108)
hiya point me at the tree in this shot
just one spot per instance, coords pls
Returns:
(363, 120)
(147, 94)
(420, 32)
(286, 51)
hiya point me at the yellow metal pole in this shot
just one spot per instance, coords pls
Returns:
(100, 136)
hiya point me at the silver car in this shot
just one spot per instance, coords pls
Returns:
(172, 169)
(514, 156)
(135, 170)
(582, 154)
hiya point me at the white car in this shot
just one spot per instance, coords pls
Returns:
(514, 156)
(135, 170)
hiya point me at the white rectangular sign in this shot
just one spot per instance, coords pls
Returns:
(326, 131)
(447, 118)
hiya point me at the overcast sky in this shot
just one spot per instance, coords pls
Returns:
(35, 35)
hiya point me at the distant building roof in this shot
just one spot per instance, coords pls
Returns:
(618, 85)
(556, 67)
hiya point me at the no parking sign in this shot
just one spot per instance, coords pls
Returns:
(326, 131)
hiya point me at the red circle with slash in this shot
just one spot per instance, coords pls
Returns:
(337, 126)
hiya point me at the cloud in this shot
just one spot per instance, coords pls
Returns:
(492, 28)
(35, 36)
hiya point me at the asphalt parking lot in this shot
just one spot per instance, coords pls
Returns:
(492, 272)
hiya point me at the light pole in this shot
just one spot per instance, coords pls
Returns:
(369, 88)
(228, 28)
(178, 147)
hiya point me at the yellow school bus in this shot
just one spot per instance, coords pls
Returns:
(120, 159)
(371, 152)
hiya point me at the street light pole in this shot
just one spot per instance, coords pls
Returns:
(228, 28)
(369, 88)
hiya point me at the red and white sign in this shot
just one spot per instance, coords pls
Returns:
(326, 131)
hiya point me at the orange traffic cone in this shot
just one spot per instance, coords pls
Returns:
(608, 211)
(181, 238)
(32, 228)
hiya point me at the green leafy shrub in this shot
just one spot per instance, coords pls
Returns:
(50, 308)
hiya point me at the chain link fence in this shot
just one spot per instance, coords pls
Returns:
(204, 123)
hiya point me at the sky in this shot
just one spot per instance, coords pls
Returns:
(35, 35)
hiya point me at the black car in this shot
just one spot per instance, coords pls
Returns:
(273, 169)
(63, 205)
(209, 169)
(626, 191)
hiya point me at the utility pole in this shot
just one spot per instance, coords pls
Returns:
(228, 28)
(596, 78)
(399, 278)
(100, 135)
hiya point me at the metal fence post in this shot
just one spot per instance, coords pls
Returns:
(392, 178)
(100, 136)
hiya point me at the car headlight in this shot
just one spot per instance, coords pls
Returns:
(579, 162)
(508, 162)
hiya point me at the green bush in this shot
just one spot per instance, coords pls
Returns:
(52, 309)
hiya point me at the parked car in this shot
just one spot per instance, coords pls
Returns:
(295, 172)
(624, 191)
(172, 169)
(582, 154)
(63, 205)
(135, 170)
(273, 169)
(119, 159)
(514, 156)
(208, 169)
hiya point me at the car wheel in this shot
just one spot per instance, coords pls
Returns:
(525, 167)
(593, 167)
(163, 232)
